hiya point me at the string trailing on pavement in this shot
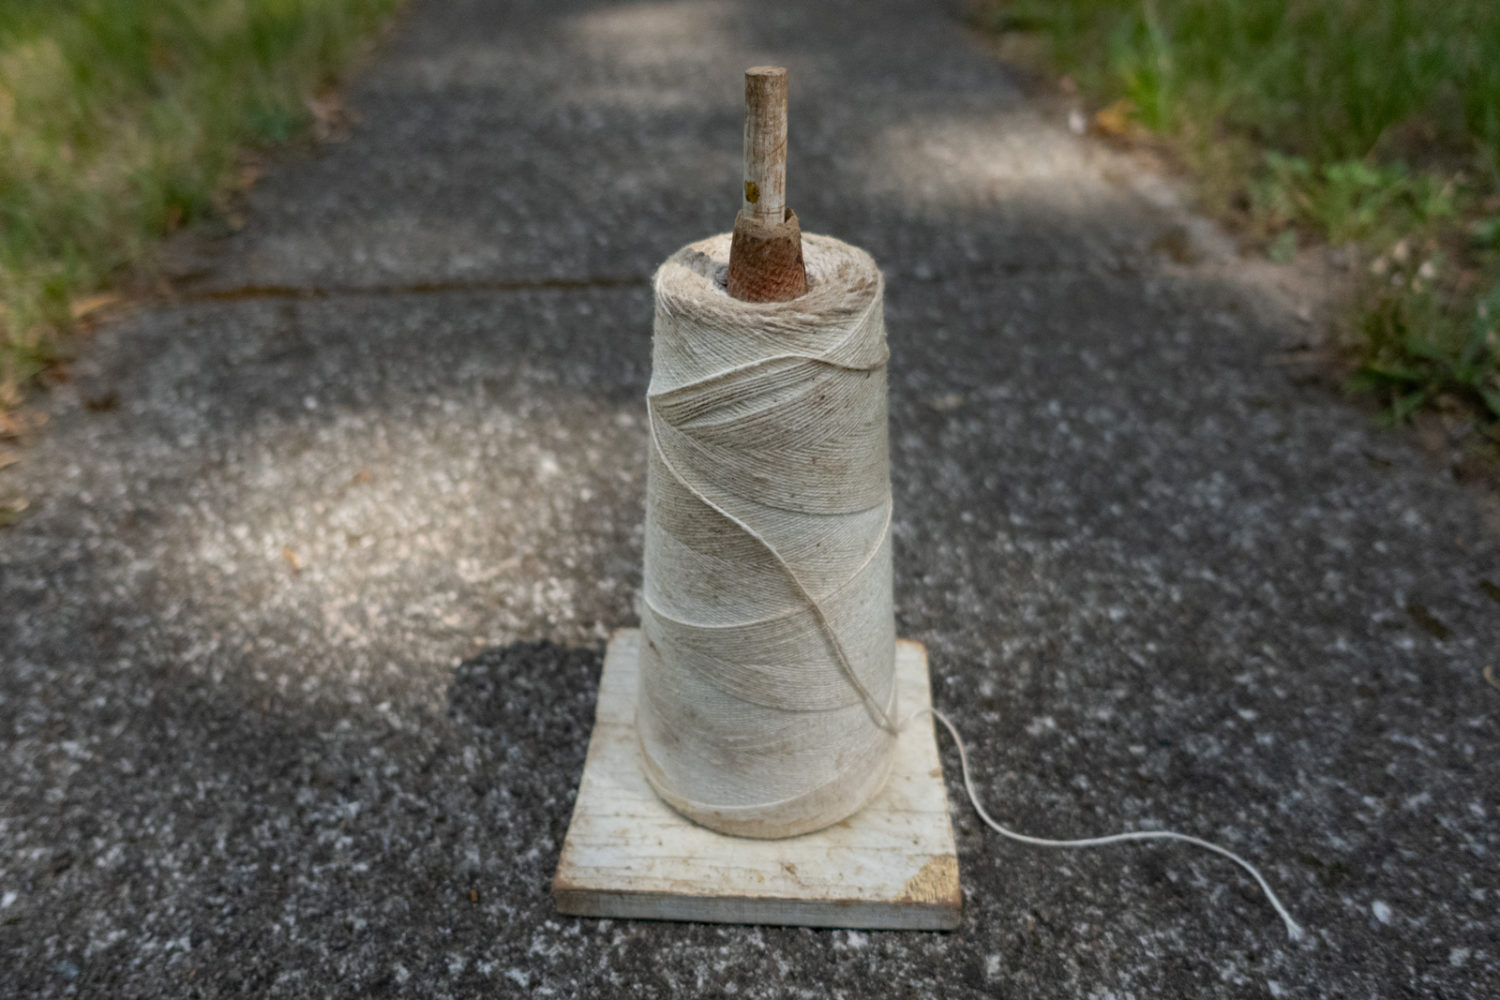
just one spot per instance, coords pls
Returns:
(1293, 929)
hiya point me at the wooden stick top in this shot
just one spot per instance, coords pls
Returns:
(765, 257)
(765, 143)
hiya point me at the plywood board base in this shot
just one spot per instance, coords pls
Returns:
(627, 854)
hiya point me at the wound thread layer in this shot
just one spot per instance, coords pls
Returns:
(767, 664)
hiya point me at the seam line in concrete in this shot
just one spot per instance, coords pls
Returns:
(247, 293)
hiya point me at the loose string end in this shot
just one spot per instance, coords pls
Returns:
(1294, 930)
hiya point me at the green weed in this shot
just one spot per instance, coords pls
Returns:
(1349, 200)
(1418, 355)
(121, 120)
(1372, 123)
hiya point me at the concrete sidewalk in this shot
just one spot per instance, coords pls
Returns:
(299, 643)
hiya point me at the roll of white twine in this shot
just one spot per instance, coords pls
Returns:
(767, 670)
(767, 699)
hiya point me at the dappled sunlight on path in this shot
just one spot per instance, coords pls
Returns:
(395, 425)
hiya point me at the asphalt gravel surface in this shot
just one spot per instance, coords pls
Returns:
(301, 630)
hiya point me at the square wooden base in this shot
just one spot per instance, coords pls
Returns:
(627, 854)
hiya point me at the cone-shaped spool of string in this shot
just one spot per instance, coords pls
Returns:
(767, 667)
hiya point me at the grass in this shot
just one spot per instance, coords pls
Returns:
(1370, 124)
(121, 120)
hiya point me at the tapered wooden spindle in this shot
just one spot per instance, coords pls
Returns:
(765, 257)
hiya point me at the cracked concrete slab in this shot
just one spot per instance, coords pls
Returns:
(302, 630)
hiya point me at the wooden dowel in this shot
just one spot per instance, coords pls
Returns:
(765, 143)
(765, 256)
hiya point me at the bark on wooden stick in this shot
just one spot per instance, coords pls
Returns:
(765, 259)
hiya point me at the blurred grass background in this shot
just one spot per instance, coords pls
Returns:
(120, 120)
(1373, 124)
